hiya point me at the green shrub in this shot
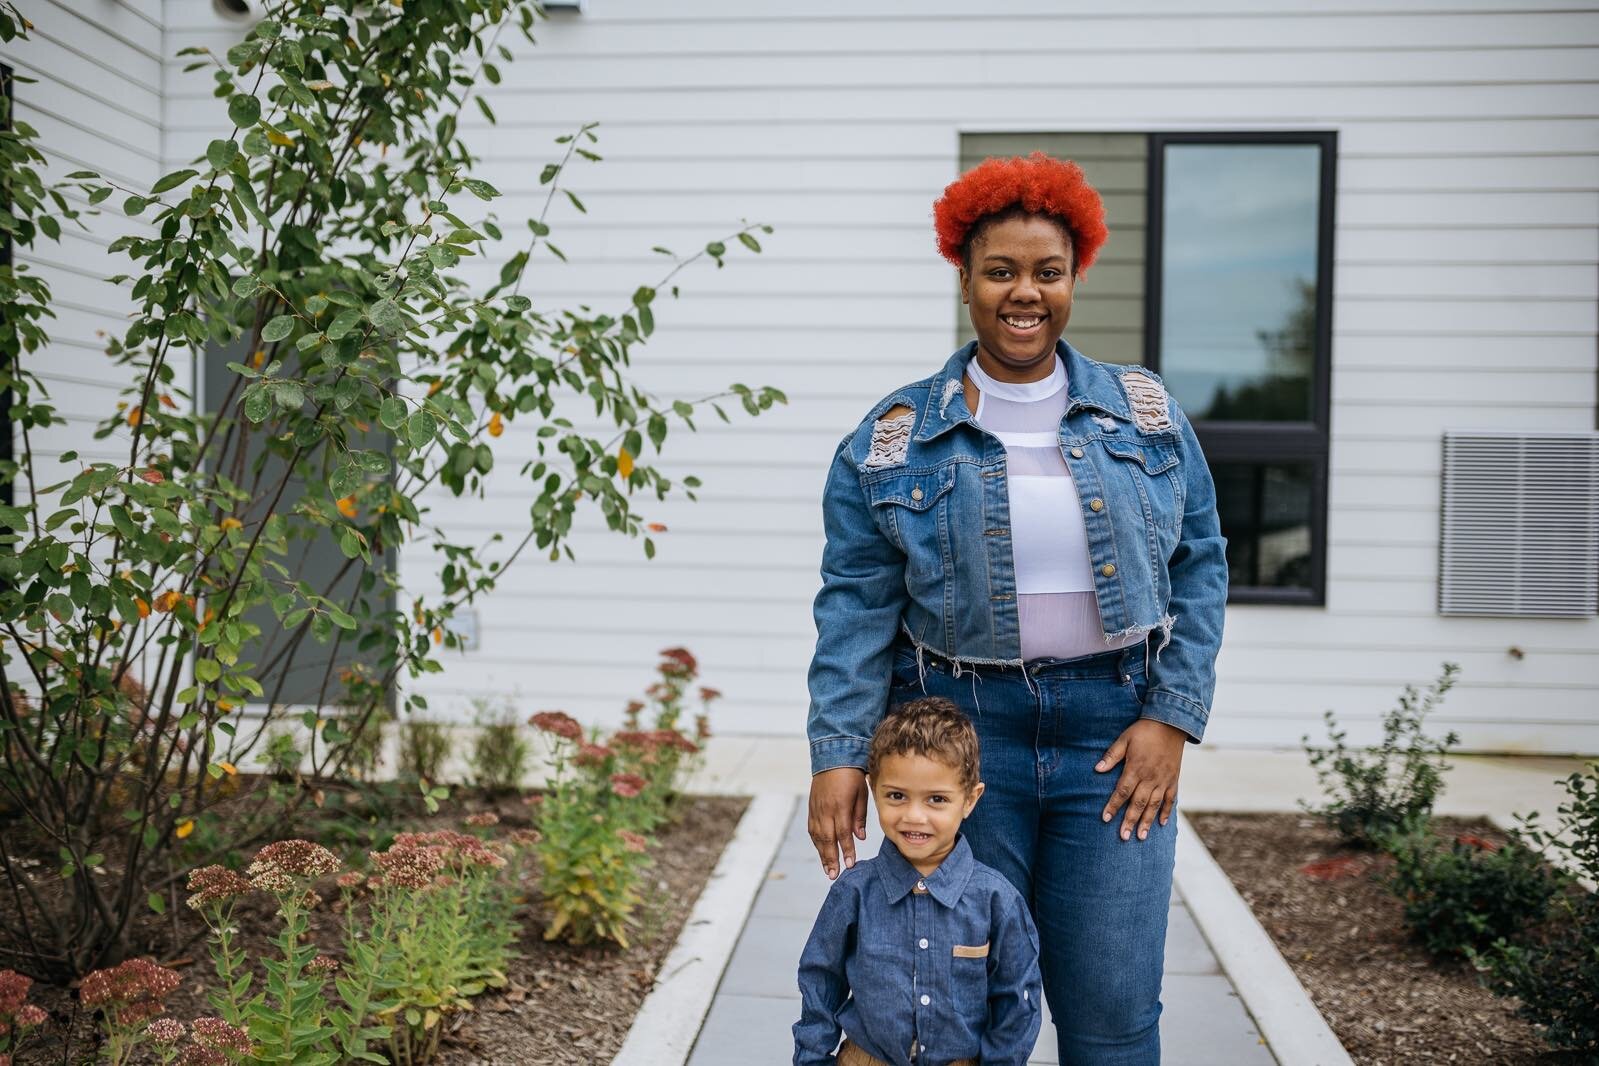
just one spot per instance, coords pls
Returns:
(1556, 976)
(1376, 791)
(1469, 894)
(281, 754)
(424, 747)
(500, 752)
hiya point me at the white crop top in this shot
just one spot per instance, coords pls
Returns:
(1054, 583)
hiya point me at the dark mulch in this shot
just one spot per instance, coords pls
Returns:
(1342, 933)
(564, 1005)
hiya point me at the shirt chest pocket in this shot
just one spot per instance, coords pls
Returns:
(1148, 470)
(968, 979)
(908, 506)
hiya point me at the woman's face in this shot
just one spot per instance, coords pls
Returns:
(1018, 291)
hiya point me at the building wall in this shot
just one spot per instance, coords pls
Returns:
(1465, 297)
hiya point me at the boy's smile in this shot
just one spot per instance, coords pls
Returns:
(921, 804)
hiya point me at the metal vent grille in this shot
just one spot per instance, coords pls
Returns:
(1520, 524)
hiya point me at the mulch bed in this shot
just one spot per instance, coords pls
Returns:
(563, 1006)
(1343, 934)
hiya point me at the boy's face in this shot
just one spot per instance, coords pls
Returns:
(921, 804)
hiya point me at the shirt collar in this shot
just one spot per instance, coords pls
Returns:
(1088, 384)
(898, 877)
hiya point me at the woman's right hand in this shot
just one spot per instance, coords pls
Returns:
(837, 815)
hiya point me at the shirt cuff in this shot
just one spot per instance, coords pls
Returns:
(1174, 710)
(830, 753)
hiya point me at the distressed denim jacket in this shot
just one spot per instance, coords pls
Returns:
(917, 516)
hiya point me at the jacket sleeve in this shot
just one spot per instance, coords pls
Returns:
(857, 615)
(823, 984)
(1182, 677)
(1014, 988)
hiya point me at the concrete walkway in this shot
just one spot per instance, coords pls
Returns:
(1204, 1022)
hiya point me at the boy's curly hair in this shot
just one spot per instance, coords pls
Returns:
(932, 727)
(1021, 185)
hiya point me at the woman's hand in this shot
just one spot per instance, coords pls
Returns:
(837, 815)
(1154, 756)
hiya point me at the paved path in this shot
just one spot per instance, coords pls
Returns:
(1203, 1024)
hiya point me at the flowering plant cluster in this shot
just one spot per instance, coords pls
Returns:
(428, 926)
(127, 996)
(603, 800)
(17, 1015)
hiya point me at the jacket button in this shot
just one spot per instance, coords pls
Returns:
(1077, 453)
(916, 493)
(1096, 504)
(1107, 569)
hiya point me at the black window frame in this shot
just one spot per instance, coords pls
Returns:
(1261, 442)
(7, 447)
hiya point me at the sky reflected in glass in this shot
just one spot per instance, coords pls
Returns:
(1238, 279)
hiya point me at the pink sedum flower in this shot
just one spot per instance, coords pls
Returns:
(627, 785)
(165, 1031)
(633, 841)
(215, 884)
(558, 722)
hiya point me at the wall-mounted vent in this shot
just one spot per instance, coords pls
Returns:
(1520, 524)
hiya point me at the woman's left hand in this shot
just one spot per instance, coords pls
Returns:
(1153, 753)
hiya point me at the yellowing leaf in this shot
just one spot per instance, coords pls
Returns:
(135, 416)
(144, 608)
(347, 506)
(228, 768)
(438, 635)
(282, 140)
(496, 425)
(435, 387)
(624, 463)
(231, 523)
(185, 827)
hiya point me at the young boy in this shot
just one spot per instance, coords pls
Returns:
(922, 955)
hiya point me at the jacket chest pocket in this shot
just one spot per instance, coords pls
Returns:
(908, 506)
(1148, 469)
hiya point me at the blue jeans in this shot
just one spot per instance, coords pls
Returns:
(1100, 902)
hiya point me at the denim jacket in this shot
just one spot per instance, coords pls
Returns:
(916, 512)
(948, 963)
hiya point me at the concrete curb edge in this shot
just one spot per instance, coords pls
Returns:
(668, 1022)
(1294, 1029)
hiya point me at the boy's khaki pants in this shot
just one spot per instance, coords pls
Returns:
(850, 1055)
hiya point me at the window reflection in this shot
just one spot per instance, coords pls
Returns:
(1238, 279)
(1265, 511)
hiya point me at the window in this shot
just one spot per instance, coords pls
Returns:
(1218, 275)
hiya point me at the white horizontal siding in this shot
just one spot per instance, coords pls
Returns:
(1467, 252)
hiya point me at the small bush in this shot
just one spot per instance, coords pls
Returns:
(281, 754)
(500, 753)
(1556, 977)
(1467, 895)
(424, 747)
(1375, 792)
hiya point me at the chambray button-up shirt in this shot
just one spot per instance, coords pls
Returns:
(923, 970)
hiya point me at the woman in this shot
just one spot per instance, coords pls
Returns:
(1033, 535)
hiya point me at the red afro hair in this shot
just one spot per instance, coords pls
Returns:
(1038, 185)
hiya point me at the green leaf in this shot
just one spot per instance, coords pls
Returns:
(221, 154)
(750, 242)
(518, 304)
(172, 181)
(419, 428)
(207, 670)
(278, 328)
(343, 323)
(386, 314)
(157, 902)
(341, 618)
(481, 189)
(572, 196)
(246, 286)
(391, 412)
(547, 175)
(133, 205)
(346, 479)
(244, 110)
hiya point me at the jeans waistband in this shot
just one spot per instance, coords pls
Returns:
(1116, 663)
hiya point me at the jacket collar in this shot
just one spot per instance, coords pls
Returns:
(898, 877)
(1088, 384)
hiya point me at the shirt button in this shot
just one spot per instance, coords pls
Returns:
(916, 493)
(922, 943)
(921, 886)
(1107, 569)
(1096, 504)
(1077, 453)
(926, 1000)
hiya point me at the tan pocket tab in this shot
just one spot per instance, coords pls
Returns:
(964, 952)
